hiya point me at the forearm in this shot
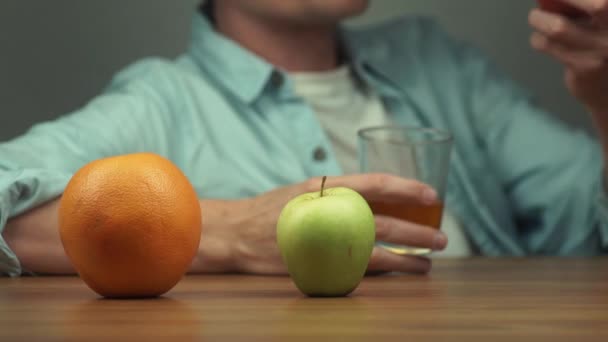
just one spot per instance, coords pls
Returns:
(34, 238)
(215, 254)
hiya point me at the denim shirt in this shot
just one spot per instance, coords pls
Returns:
(521, 182)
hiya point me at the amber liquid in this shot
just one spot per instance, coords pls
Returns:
(427, 215)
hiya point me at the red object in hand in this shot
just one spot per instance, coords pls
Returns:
(560, 7)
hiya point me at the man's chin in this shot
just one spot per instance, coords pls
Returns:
(320, 20)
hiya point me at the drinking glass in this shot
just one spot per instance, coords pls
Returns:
(410, 152)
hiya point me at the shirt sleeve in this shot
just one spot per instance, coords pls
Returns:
(130, 116)
(551, 173)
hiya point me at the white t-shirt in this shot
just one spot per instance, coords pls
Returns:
(343, 106)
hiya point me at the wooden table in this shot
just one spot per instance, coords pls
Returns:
(465, 300)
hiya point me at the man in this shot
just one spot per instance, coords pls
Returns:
(268, 98)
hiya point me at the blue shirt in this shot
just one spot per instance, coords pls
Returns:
(522, 182)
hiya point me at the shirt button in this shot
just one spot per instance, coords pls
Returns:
(276, 79)
(319, 154)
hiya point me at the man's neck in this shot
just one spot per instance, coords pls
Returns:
(291, 48)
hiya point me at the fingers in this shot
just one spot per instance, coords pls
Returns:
(580, 47)
(579, 61)
(559, 29)
(383, 260)
(592, 7)
(401, 232)
(385, 187)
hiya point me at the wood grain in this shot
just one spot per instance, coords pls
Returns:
(461, 300)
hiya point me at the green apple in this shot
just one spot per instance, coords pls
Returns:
(326, 240)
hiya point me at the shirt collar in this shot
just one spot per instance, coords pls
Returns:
(370, 58)
(233, 67)
(245, 74)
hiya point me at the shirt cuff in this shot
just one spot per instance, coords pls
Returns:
(9, 264)
(20, 191)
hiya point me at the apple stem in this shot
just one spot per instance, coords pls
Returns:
(323, 185)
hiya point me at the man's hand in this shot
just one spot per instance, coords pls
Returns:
(581, 45)
(240, 236)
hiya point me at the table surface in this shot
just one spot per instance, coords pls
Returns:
(462, 300)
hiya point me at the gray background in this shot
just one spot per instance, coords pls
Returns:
(55, 55)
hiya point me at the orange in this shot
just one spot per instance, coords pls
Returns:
(130, 225)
